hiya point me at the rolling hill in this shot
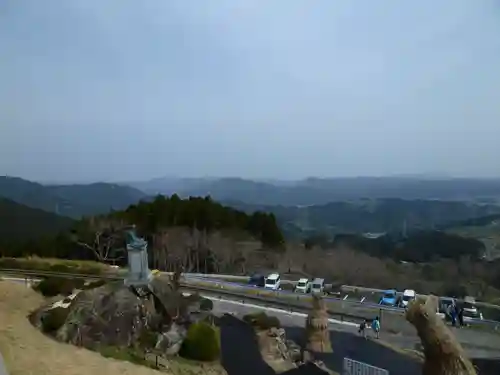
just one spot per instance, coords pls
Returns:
(70, 200)
(316, 191)
(372, 215)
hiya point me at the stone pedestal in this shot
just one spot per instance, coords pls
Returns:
(137, 249)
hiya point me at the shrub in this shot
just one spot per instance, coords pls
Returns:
(262, 320)
(206, 304)
(53, 286)
(202, 342)
(147, 338)
(54, 319)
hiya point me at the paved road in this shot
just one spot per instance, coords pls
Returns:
(478, 344)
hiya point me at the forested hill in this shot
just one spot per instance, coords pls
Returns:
(18, 222)
(159, 220)
(69, 200)
(390, 215)
(202, 214)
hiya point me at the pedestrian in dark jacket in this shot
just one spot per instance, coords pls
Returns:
(461, 316)
(362, 328)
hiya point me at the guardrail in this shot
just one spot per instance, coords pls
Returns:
(231, 295)
(269, 298)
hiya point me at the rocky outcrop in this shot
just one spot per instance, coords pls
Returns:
(170, 342)
(443, 353)
(317, 333)
(155, 317)
(278, 352)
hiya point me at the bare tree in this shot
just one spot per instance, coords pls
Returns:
(104, 237)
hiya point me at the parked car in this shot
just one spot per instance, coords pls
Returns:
(470, 309)
(303, 286)
(389, 298)
(408, 296)
(257, 280)
(444, 306)
(318, 286)
(273, 281)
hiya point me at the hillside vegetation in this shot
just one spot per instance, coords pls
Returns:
(372, 215)
(21, 222)
(195, 233)
(69, 200)
(201, 235)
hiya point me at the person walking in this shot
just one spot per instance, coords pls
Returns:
(452, 312)
(461, 316)
(362, 328)
(376, 326)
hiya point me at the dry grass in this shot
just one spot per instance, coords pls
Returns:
(27, 351)
(443, 353)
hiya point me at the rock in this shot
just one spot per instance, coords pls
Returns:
(294, 351)
(278, 352)
(117, 315)
(170, 342)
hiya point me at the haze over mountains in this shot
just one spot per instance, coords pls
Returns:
(325, 190)
(302, 208)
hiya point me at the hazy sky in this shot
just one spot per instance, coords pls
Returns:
(129, 89)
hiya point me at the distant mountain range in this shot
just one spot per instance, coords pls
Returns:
(314, 191)
(390, 215)
(70, 200)
(302, 208)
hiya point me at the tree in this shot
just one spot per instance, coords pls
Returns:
(103, 236)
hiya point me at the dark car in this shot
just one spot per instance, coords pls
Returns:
(257, 280)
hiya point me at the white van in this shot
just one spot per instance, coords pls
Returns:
(318, 286)
(273, 281)
(408, 295)
(470, 309)
(303, 286)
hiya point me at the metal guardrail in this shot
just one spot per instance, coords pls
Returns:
(231, 295)
(267, 300)
(352, 367)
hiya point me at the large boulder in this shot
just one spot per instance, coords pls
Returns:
(114, 314)
(111, 315)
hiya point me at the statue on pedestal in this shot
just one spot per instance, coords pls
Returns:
(137, 249)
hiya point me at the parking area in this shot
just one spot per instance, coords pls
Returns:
(364, 296)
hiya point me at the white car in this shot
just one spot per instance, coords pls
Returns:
(408, 295)
(303, 286)
(273, 281)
